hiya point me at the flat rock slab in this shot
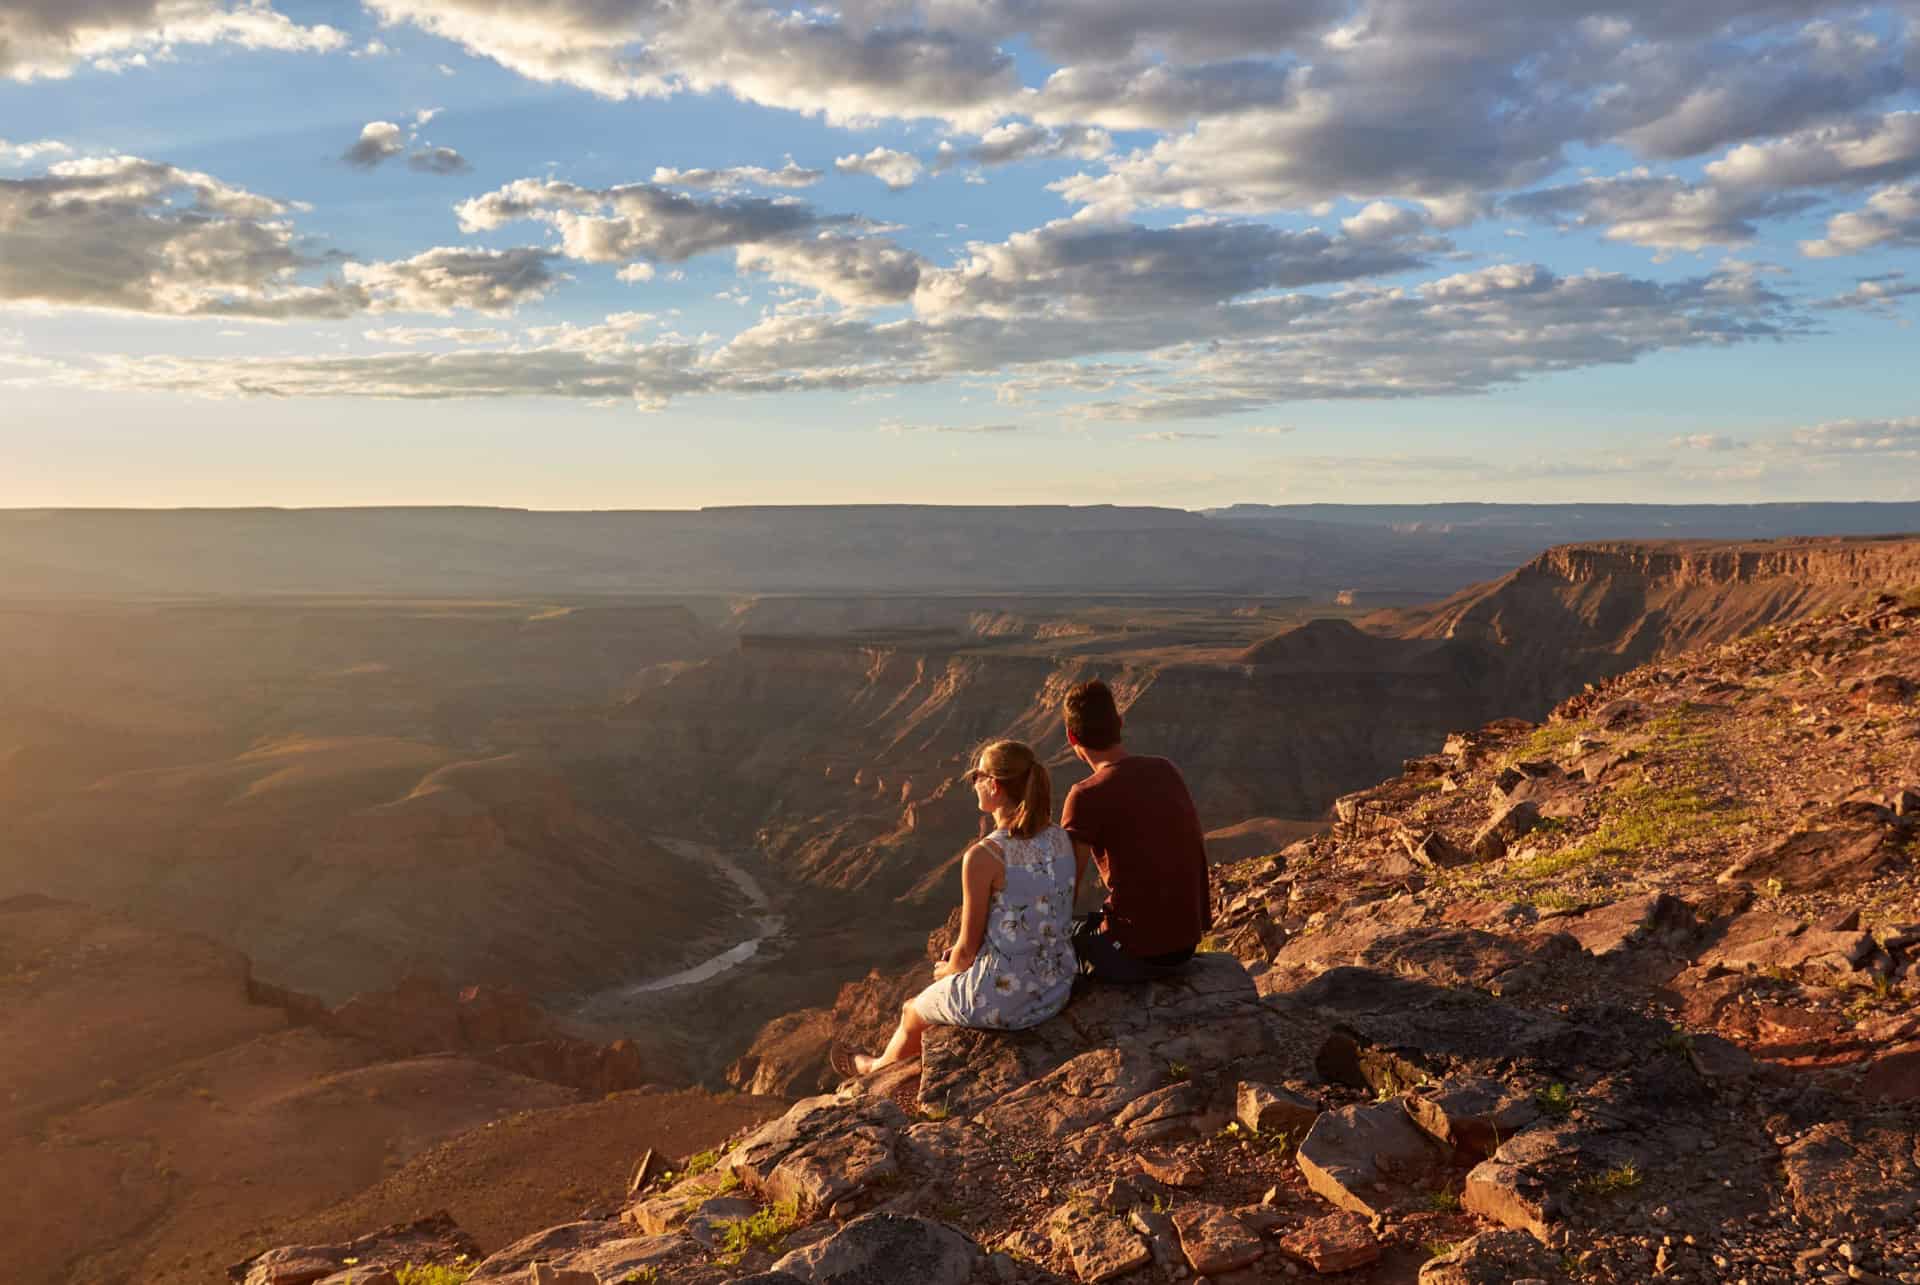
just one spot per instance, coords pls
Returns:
(1522, 1185)
(1847, 1175)
(1494, 1258)
(1810, 860)
(1213, 1240)
(604, 1247)
(1474, 1116)
(822, 1149)
(1100, 1245)
(884, 1249)
(1370, 1159)
(1656, 919)
(1204, 1017)
(1336, 1243)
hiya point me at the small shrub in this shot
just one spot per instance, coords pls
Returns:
(431, 1274)
(1178, 1072)
(1676, 1042)
(642, 1276)
(763, 1229)
(700, 1162)
(1622, 1177)
(1440, 1248)
(1555, 1100)
(1444, 1201)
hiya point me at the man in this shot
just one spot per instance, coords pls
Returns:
(1138, 819)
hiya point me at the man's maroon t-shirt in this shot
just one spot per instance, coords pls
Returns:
(1139, 819)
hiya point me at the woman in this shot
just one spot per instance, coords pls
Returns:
(1012, 965)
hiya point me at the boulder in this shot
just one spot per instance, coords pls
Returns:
(1336, 1243)
(1213, 1240)
(1273, 1111)
(1473, 1116)
(1370, 1159)
(878, 1249)
(821, 1150)
(602, 1246)
(1121, 1042)
(1506, 825)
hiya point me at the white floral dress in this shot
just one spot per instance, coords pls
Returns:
(1024, 972)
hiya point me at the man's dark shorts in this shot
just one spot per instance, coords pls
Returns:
(1102, 959)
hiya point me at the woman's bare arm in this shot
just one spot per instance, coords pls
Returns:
(980, 871)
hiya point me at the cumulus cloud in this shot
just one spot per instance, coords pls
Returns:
(804, 61)
(379, 141)
(969, 429)
(897, 170)
(1891, 217)
(1854, 154)
(28, 153)
(787, 176)
(50, 38)
(1089, 267)
(448, 278)
(1461, 334)
(138, 236)
(438, 160)
(1025, 141)
(636, 220)
(856, 272)
(134, 235)
(1175, 436)
(1880, 295)
(1657, 210)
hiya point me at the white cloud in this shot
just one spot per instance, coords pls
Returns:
(438, 160)
(1171, 436)
(451, 277)
(425, 115)
(1879, 295)
(896, 169)
(856, 272)
(1707, 442)
(636, 220)
(1025, 141)
(787, 176)
(380, 140)
(797, 60)
(28, 153)
(50, 38)
(1659, 211)
(1891, 217)
(1858, 153)
(1895, 437)
(634, 273)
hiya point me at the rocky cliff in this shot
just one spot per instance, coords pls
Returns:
(1628, 995)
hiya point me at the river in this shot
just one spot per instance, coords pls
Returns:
(767, 925)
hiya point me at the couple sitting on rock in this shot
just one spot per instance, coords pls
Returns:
(1018, 951)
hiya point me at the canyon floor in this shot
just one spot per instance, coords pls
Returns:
(1627, 995)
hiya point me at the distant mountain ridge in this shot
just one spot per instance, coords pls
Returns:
(1392, 552)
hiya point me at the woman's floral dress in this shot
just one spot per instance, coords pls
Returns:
(1025, 969)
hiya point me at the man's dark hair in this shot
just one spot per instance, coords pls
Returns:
(1093, 720)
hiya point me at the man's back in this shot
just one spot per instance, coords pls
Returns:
(1138, 817)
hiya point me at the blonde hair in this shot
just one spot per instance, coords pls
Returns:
(1018, 768)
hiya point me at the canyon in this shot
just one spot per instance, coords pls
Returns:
(706, 828)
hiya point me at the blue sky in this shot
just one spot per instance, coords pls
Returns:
(621, 253)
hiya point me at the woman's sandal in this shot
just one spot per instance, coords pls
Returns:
(840, 1058)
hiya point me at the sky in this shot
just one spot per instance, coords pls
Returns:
(576, 254)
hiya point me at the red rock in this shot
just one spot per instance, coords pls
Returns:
(1336, 1243)
(1213, 1239)
(1175, 1171)
(1894, 1076)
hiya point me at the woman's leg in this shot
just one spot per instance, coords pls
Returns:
(904, 1044)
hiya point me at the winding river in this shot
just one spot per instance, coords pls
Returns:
(767, 925)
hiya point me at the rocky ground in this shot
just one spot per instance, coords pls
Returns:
(1626, 996)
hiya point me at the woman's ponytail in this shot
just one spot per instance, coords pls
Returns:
(1020, 770)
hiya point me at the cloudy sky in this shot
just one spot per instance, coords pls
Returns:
(666, 253)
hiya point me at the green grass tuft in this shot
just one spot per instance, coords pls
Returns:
(763, 1229)
(431, 1274)
(1622, 1177)
(1555, 1100)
